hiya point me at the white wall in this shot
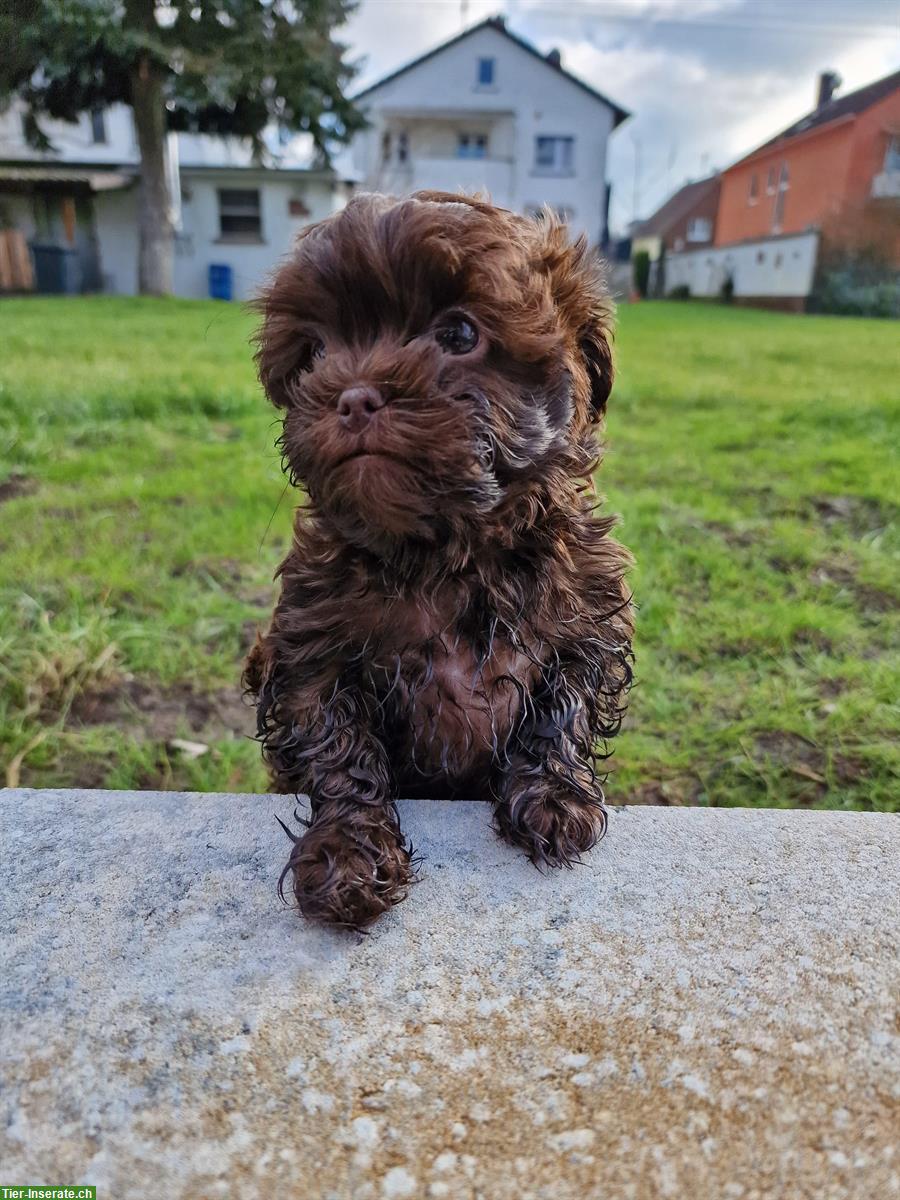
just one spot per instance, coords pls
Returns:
(199, 244)
(776, 267)
(529, 98)
(115, 219)
(72, 143)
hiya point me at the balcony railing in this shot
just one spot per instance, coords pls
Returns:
(491, 175)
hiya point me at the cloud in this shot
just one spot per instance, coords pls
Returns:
(706, 82)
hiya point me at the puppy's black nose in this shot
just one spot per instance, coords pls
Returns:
(356, 406)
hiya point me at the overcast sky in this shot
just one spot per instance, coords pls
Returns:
(705, 80)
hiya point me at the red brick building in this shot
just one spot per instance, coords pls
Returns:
(837, 170)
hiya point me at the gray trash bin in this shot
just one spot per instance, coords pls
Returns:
(57, 269)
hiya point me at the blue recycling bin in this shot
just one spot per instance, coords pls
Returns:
(220, 281)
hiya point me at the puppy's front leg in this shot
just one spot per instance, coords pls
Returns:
(548, 798)
(352, 863)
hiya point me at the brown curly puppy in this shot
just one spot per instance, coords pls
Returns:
(453, 619)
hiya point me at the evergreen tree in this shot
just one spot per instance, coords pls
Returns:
(207, 66)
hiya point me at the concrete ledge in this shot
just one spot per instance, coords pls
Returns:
(707, 1008)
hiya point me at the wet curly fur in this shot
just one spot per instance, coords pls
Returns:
(453, 618)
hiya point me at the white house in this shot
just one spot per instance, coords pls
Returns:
(82, 199)
(488, 112)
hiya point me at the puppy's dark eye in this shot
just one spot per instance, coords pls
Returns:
(457, 336)
(312, 351)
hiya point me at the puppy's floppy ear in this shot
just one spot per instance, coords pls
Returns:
(579, 292)
(594, 344)
(278, 337)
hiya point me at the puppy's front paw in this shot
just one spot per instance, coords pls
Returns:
(348, 872)
(553, 825)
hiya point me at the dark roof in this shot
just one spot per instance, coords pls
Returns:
(676, 208)
(840, 106)
(620, 114)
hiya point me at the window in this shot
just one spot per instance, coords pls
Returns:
(385, 147)
(98, 126)
(770, 182)
(485, 74)
(402, 147)
(554, 155)
(471, 145)
(699, 229)
(778, 213)
(892, 156)
(753, 193)
(239, 215)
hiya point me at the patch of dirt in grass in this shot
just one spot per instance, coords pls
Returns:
(223, 571)
(154, 713)
(830, 689)
(230, 575)
(740, 538)
(16, 486)
(794, 753)
(838, 573)
(861, 514)
(78, 771)
(813, 639)
(667, 793)
(260, 597)
(249, 630)
(850, 768)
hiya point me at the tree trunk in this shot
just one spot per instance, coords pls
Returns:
(157, 242)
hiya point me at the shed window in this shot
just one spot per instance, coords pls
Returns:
(485, 72)
(239, 214)
(554, 155)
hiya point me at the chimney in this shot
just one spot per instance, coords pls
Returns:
(554, 58)
(829, 82)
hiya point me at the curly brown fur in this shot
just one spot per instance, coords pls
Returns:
(453, 617)
(351, 865)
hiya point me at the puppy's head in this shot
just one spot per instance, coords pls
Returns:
(434, 358)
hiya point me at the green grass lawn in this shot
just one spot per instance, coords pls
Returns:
(752, 456)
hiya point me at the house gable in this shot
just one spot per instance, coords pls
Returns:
(468, 45)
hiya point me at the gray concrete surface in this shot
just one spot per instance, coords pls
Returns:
(706, 1009)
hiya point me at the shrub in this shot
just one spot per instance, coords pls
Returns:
(641, 267)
